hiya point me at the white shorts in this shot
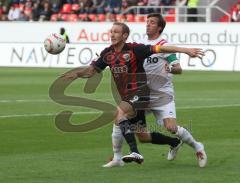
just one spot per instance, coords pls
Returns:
(165, 111)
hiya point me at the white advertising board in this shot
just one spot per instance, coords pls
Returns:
(21, 43)
(217, 58)
(90, 32)
(237, 60)
(34, 55)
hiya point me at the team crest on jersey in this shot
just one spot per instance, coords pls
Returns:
(126, 57)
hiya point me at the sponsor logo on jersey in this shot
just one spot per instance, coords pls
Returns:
(152, 60)
(127, 57)
(119, 69)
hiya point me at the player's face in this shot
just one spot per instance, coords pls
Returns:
(117, 35)
(152, 27)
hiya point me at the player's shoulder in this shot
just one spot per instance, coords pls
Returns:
(106, 50)
(162, 42)
(134, 44)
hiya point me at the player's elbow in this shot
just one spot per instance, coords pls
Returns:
(179, 71)
(88, 72)
(176, 69)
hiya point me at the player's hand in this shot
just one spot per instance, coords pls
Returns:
(70, 76)
(167, 68)
(195, 52)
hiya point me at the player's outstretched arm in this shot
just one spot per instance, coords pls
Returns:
(84, 72)
(192, 52)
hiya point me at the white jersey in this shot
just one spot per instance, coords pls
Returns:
(159, 80)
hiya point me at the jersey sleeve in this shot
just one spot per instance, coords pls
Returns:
(143, 51)
(99, 64)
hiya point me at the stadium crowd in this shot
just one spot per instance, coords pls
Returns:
(88, 10)
(72, 10)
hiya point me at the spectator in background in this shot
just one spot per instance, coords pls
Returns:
(113, 6)
(46, 12)
(166, 2)
(128, 3)
(3, 13)
(55, 8)
(98, 6)
(85, 6)
(23, 16)
(64, 34)
(35, 11)
(235, 15)
(88, 4)
(192, 10)
(132, 2)
(1, 9)
(143, 3)
(14, 12)
(153, 3)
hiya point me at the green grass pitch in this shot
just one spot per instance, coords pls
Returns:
(32, 149)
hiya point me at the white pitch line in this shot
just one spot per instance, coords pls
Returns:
(24, 101)
(34, 100)
(209, 106)
(95, 112)
(46, 114)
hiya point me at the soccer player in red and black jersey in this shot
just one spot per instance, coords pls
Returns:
(126, 64)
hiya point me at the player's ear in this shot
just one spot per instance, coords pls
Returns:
(125, 36)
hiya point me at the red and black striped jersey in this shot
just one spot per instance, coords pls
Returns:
(126, 66)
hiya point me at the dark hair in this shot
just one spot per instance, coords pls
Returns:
(62, 30)
(161, 21)
(125, 28)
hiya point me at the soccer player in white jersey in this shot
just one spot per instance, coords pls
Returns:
(159, 68)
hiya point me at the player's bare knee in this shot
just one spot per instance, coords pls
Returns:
(170, 124)
(144, 137)
(120, 116)
(172, 129)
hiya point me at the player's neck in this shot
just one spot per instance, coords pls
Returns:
(118, 47)
(153, 37)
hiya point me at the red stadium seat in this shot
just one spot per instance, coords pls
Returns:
(64, 17)
(82, 16)
(170, 18)
(73, 18)
(130, 18)
(139, 18)
(54, 17)
(67, 8)
(171, 12)
(92, 17)
(101, 17)
(225, 18)
(120, 17)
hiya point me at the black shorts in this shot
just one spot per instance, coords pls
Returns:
(139, 100)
